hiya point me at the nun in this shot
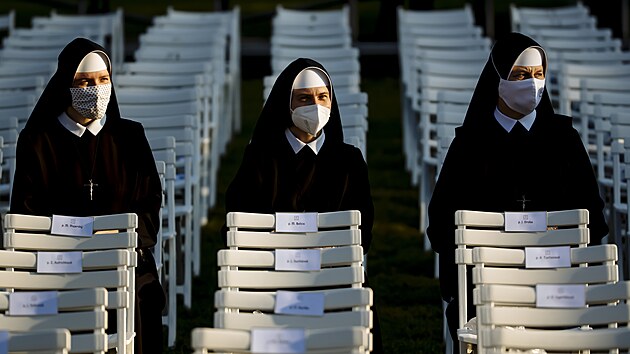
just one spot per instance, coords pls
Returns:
(77, 157)
(512, 153)
(296, 160)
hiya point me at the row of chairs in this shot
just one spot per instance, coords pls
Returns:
(441, 54)
(325, 36)
(439, 50)
(300, 287)
(184, 87)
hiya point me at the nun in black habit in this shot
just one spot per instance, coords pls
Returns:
(280, 172)
(273, 177)
(77, 157)
(512, 153)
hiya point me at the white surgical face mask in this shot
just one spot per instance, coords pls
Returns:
(522, 96)
(311, 119)
(91, 102)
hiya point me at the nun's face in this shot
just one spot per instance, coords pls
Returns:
(311, 96)
(519, 73)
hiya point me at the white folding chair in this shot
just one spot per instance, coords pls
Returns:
(109, 26)
(8, 132)
(81, 299)
(184, 130)
(248, 280)
(79, 324)
(593, 270)
(115, 247)
(577, 16)
(164, 150)
(487, 229)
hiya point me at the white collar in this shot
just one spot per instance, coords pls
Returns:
(77, 129)
(508, 123)
(298, 144)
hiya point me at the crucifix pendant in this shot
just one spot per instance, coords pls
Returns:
(523, 200)
(91, 185)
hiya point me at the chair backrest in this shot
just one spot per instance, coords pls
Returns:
(110, 27)
(605, 304)
(261, 261)
(583, 295)
(111, 248)
(487, 229)
(54, 341)
(81, 311)
(570, 16)
(350, 340)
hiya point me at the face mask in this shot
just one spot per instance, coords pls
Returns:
(522, 96)
(91, 102)
(311, 119)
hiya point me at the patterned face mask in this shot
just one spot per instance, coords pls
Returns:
(91, 102)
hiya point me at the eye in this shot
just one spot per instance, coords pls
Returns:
(80, 83)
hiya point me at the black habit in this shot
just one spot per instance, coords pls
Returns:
(54, 168)
(489, 169)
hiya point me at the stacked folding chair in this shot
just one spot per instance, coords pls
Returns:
(324, 36)
(534, 282)
(278, 280)
(106, 258)
(78, 316)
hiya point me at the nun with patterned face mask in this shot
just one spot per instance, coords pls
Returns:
(77, 157)
(512, 153)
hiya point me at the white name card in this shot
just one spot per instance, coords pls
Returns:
(4, 342)
(299, 303)
(33, 303)
(548, 257)
(72, 225)
(59, 262)
(535, 221)
(296, 222)
(298, 260)
(560, 296)
(278, 340)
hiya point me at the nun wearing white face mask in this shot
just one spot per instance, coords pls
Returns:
(76, 156)
(297, 161)
(513, 153)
